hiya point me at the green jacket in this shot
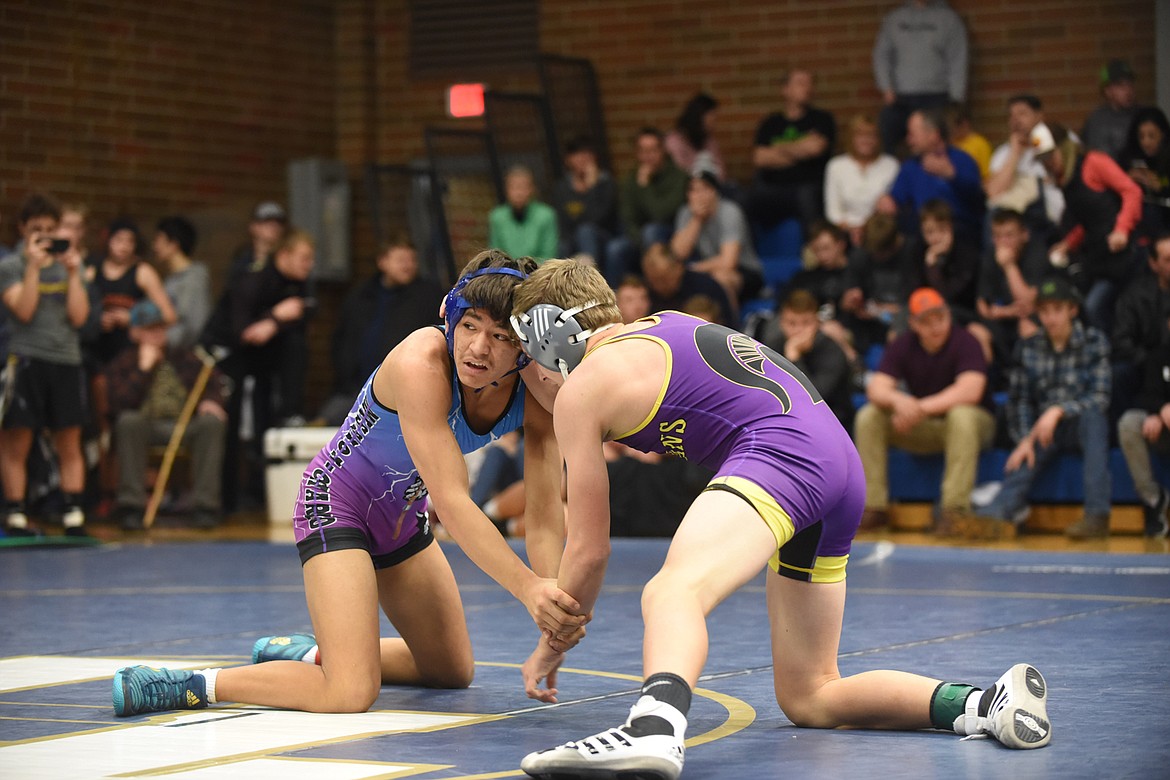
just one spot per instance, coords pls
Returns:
(535, 237)
(658, 201)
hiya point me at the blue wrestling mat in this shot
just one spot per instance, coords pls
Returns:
(1097, 625)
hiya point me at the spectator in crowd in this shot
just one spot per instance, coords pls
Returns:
(919, 61)
(1058, 400)
(1017, 180)
(1106, 128)
(792, 148)
(945, 261)
(941, 409)
(148, 387)
(691, 144)
(120, 280)
(937, 170)
(1141, 337)
(586, 204)
(1139, 325)
(712, 236)
(260, 323)
(375, 316)
(116, 283)
(633, 299)
(1009, 274)
(265, 232)
(873, 305)
(702, 306)
(671, 284)
(1146, 157)
(43, 291)
(965, 137)
(650, 196)
(522, 226)
(856, 179)
(796, 334)
(827, 279)
(1103, 206)
(187, 282)
(75, 225)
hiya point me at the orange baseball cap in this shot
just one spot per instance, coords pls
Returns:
(924, 299)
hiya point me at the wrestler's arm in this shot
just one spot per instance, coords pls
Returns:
(417, 382)
(544, 514)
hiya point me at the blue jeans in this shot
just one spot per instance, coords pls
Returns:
(1088, 432)
(1099, 303)
(588, 239)
(622, 257)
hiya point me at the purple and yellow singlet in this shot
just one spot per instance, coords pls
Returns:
(735, 406)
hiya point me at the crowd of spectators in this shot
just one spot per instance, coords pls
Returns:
(952, 296)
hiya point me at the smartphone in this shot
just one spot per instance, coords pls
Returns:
(57, 246)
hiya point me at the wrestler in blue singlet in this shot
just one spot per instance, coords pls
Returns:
(363, 491)
(772, 439)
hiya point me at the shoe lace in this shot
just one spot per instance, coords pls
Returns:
(604, 741)
(163, 691)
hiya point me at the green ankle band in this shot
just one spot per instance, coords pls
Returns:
(948, 702)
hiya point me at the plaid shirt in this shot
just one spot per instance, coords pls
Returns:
(1076, 379)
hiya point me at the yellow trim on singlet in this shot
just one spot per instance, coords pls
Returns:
(826, 568)
(641, 334)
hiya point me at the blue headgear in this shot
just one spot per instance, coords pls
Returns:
(552, 336)
(457, 305)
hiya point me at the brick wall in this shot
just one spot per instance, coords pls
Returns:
(652, 56)
(148, 108)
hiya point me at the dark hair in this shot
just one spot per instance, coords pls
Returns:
(824, 226)
(690, 121)
(580, 143)
(1031, 101)
(119, 224)
(399, 239)
(936, 118)
(39, 205)
(1004, 216)
(492, 293)
(938, 210)
(648, 130)
(180, 230)
(800, 301)
(1160, 161)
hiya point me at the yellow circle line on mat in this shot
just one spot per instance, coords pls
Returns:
(740, 714)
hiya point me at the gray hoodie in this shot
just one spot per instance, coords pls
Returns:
(922, 49)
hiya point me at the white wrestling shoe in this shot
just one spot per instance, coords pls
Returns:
(616, 754)
(1014, 711)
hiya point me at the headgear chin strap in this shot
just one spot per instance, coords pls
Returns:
(552, 336)
(456, 306)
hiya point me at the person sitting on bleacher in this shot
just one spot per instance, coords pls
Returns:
(1141, 339)
(1011, 269)
(671, 284)
(945, 260)
(1058, 400)
(826, 279)
(856, 179)
(943, 408)
(711, 236)
(873, 307)
(797, 335)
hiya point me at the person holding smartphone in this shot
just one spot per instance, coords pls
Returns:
(45, 298)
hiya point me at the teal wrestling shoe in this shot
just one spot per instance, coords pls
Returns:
(139, 689)
(292, 647)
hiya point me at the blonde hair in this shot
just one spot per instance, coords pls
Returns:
(568, 283)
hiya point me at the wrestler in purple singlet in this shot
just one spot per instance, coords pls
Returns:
(774, 430)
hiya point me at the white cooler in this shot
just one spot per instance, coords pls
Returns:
(288, 451)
